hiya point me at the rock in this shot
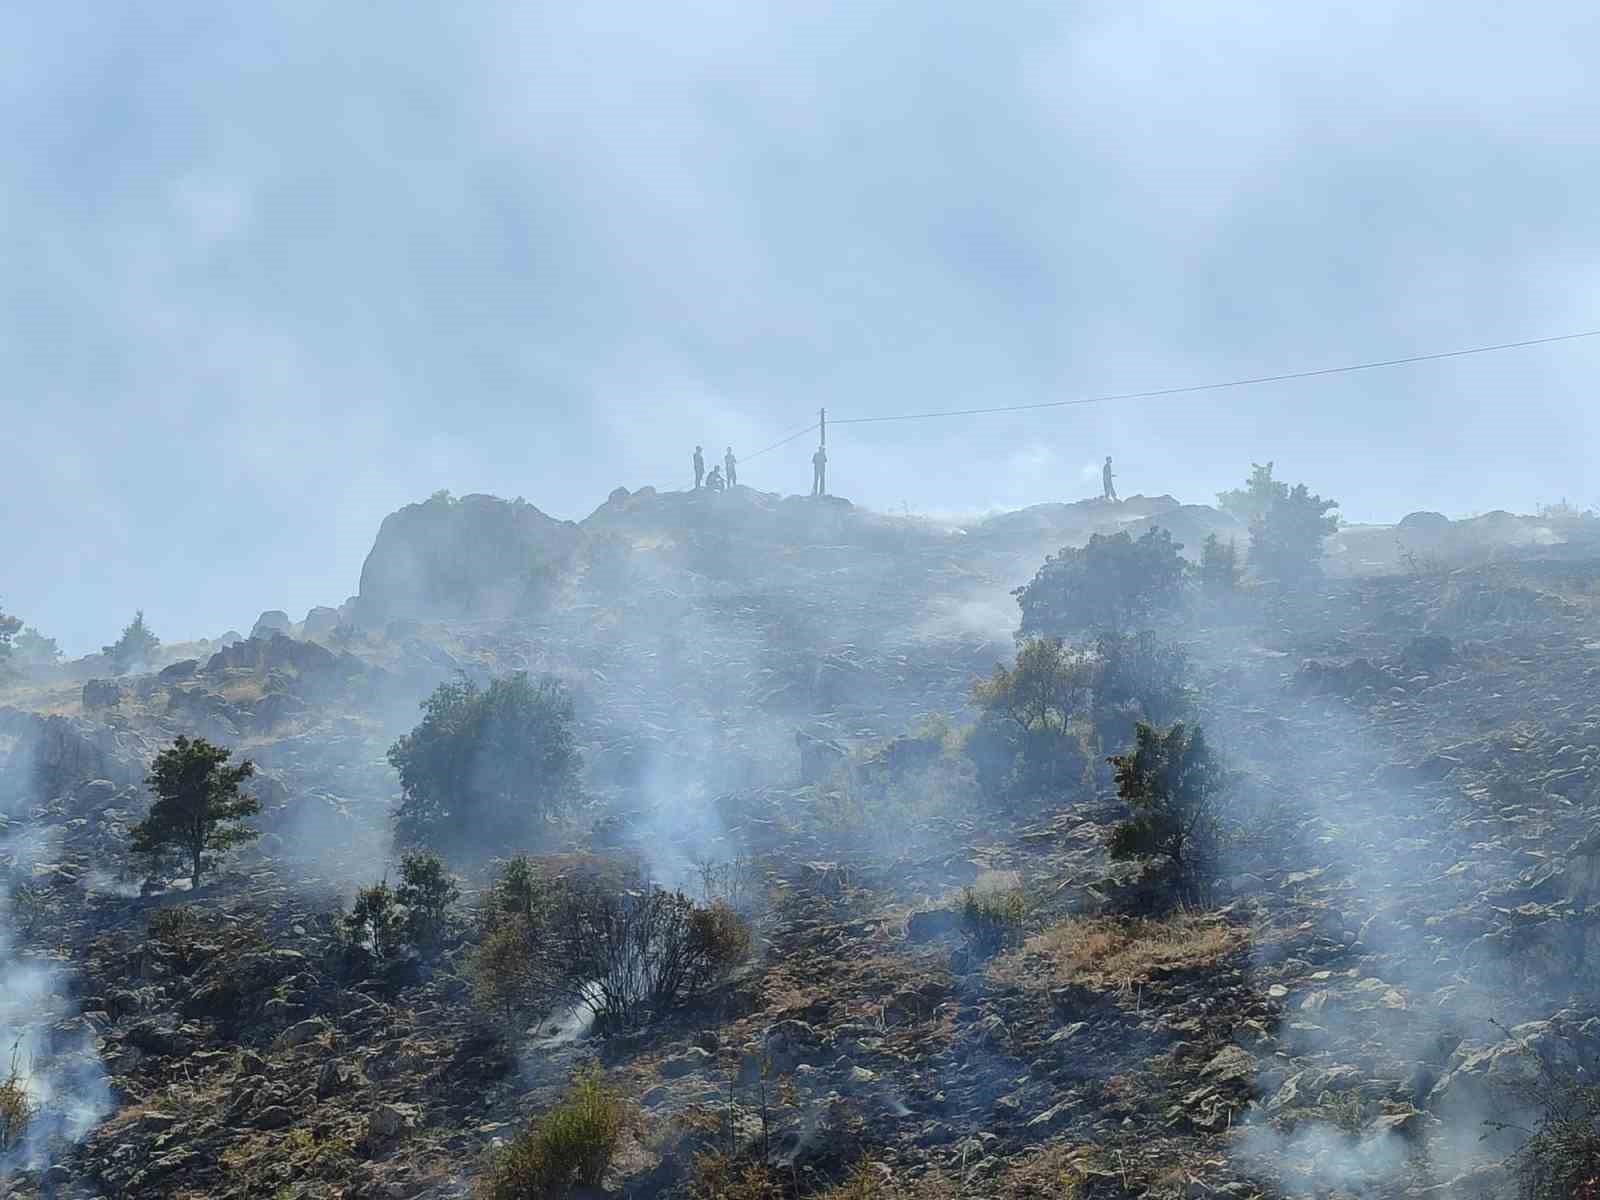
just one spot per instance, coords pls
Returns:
(1428, 653)
(333, 1078)
(320, 622)
(178, 671)
(273, 621)
(692, 1059)
(276, 1116)
(301, 1033)
(275, 653)
(478, 557)
(388, 1122)
(934, 923)
(819, 757)
(102, 693)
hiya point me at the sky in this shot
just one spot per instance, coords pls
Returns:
(271, 270)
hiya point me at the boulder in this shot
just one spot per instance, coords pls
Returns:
(819, 757)
(320, 622)
(179, 671)
(473, 558)
(102, 693)
(274, 620)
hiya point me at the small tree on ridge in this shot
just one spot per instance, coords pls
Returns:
(199, 810)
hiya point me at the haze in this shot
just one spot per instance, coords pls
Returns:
(274, 270)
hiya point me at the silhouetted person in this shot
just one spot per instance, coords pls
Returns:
(732, 463)
(1105, 478)
(819, 472)
(699, 468)
(714, 480)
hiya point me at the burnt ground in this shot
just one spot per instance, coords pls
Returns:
(1419, 760)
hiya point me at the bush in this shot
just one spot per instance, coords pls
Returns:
(1219, 565)
(1031, 739)
(992, 919)
(428, 894)
(625, 949)
(375, 922)
(1137, 674)
(486, 767)
(1173, 788)
(570, 1145)
(1287, 525)
(17, 1107)
(1109, 583)
(1560, 1160)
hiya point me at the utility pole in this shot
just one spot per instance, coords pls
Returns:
(821, 485)
(822, 424)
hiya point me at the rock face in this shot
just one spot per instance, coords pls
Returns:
(477, 557)
(274, 620)
(320, 622)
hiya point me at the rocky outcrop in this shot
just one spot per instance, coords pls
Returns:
(477, 557)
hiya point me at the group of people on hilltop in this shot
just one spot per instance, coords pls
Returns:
(716, 481)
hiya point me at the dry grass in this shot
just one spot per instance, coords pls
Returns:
(17, 1108)
(1120, 952)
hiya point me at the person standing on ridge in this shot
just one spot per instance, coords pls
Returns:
(699, 468)
(732, 463)
(1105, 478)
(819, 472)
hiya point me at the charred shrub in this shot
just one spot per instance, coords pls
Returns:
(17, 1108)
(1173, 787)
(570, 1145)
(626, 950)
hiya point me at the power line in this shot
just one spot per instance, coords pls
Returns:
(783, 442)
(1206, 387)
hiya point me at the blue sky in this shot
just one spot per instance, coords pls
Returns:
(274, 269)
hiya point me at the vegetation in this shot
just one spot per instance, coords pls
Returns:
(486, 766)
(626, 950)
(1138, 674)
(375, 923)
(199, 810)
(9, 626)
(136, 646)
(1287, 525)
(1560, 1160)
(1120, 952)
(1032, 738)
(1173, 788)
(417, 913)
(17, 1106)
(570, 1145)
(991, 918)
(1219, 570)
(1108, 584)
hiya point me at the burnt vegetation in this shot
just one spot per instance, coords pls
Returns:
(1196, 879)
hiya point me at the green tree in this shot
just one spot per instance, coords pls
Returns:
(428, 893)
(1257, 495)
(8, 630)
(1112, 581)
(1286, 540)
(1031, 737)
(486, 765)
(1219, 565)
(199, 810)
(1173, 787)
(136, 645)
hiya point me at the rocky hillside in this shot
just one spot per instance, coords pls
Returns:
(1411, 880)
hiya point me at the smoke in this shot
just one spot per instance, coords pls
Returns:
(43, 1039)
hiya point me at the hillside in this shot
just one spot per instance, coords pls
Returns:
(1415, 743)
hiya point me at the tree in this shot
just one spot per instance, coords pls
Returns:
(1031, 736)
(136, 645)
(198, 810)
(428, 893)
(485, 766)
(8, 630)
(1219, 565)
(1172, 786)
(1257, 495)
(1138, 674)
(1286, 540)
(1107, 584)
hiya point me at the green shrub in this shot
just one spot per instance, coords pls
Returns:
(376, 923)
(992, 919)
(1173, 787)
(1109, 583)
(428, 894)
(570, 1145)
